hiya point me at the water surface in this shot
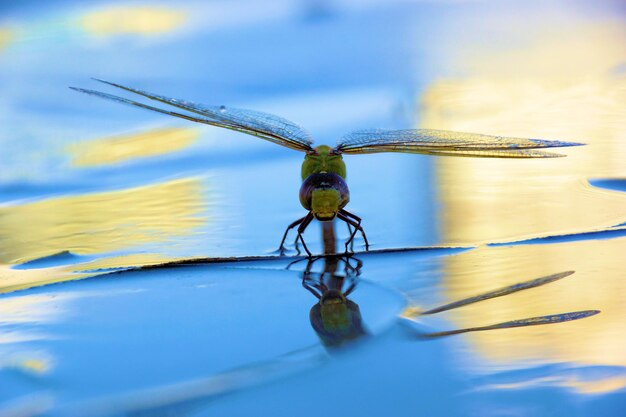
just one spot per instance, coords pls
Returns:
(91, 191)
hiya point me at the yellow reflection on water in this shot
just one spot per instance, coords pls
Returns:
(100, 222)
(121, 148)
(124, 261)
(20, 279)
(581, 385)
(30, 308)
(142, 20)
(489, 200)
(565, 47)
(33, 365)
(597, 284)
(5, 37)
(561, 82)
(597, 387)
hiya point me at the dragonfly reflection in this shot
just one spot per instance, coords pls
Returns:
(324, 193)
(337, 320)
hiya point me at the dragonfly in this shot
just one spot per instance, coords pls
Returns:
(324, 192)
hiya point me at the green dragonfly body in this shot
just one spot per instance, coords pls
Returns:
(324, 192)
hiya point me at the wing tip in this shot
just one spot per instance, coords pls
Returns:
(85, 90)
(100, 80)
(82, 90)
(104, 95)
(555, 143)
(576, 315)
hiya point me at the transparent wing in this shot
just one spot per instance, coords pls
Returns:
(521, 153)
(443, 142)
(267, 126)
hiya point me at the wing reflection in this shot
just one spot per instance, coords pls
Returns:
(411, 313)
(500, 292)
(533, 321)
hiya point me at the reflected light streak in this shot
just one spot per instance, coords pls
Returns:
(560, 49)
(582, 386)
(489, 200)
(5, 37)
(100, 222)
(19, 279)
(597, 386)
(559, 82)
(598, 283)
(122, 148)
(133, 21)
(30, 308)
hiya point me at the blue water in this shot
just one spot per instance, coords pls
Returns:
(231, 335)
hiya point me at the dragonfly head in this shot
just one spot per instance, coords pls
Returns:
(324, 194)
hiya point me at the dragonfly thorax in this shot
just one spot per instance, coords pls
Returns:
(323, 159)
(324, 194)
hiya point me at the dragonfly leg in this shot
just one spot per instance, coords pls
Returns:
(309, 282)
(310, 261)
(343, 215)
(348, 214)
(350, 270)
(350, 233)
(350, 288)
(303, 225)
(306, 249)
(296, 245)
(281, 248)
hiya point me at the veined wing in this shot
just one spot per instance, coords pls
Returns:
(520, 153)
(443, 142)
(266, 126)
